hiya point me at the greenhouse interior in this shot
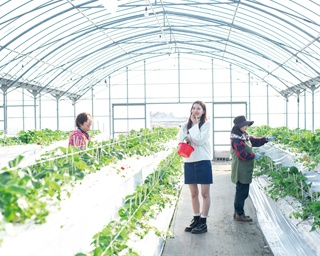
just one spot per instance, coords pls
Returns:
(126, 77)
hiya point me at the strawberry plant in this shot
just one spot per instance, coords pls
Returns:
(40, 137)
(284, 181)
(159, 189)
(302, 142)
(25, 192)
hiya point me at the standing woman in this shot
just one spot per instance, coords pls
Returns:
(197, 168)
(243, 162)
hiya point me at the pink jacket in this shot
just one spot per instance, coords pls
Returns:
(78, 138)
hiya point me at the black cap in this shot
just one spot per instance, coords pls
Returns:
(241, 121)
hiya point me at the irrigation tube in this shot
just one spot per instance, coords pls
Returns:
(285, 235)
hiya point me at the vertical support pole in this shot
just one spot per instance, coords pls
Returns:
(231, 113)
(298, 109)
(40, 116)
(145, 93)
(34, 93)
(179, 81)
(249, 95)
(4, 89)
(313, 88)
(23, 102)
(110, 120)
(213, 114)
(92, 107)
(113, 122)
(74, 111)
(287, 100)
(57, 110)
(268, 104)
(23, 111)
(127, 73)
(305, 109)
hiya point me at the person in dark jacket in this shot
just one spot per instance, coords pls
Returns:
(243, 163)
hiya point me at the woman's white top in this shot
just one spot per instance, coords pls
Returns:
(199, 139)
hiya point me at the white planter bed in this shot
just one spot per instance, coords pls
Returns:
(93, 204)
(285, 235)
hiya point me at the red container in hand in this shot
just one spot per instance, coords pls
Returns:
(185, 149)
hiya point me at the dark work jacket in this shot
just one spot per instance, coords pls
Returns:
(241, 170)
(243, 157)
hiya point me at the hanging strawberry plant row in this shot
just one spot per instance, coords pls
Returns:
(26, 192)
(289, 181)
(159, 190)
(31, 144)
(40, 137)
(293, 216)
(303, 143)
(94, 201)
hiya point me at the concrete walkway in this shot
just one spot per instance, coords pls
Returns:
(225, 236)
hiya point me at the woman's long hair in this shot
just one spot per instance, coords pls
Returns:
(203, 118)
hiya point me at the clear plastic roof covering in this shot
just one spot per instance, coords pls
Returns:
(65, 47)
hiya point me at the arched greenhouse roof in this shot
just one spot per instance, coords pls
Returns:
(65, 47)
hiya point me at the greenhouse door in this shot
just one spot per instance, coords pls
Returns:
(127, 117)
(222, 123)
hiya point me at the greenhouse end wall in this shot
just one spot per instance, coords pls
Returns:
(169, 88)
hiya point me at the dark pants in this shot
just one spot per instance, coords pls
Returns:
(242, 193)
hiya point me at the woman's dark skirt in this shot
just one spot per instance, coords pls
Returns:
(198, 172)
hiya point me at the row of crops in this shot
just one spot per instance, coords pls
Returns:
(28, 193)
(42, 137)
(291, 180)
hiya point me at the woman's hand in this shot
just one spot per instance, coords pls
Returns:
(194, 119)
